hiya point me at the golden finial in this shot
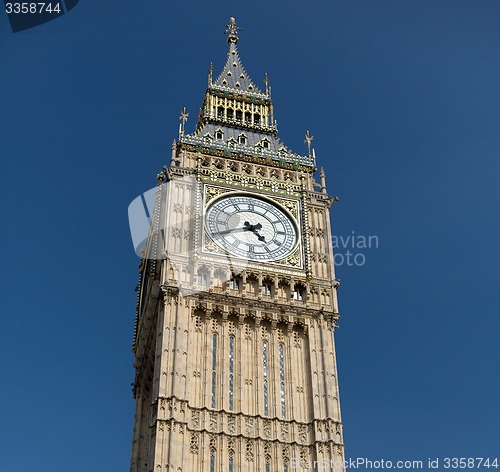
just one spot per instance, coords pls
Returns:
(266, 80)
(210, 72)
(308, 140)
(183, 118)
(233, 31)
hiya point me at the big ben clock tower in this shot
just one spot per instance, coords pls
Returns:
(234, 344)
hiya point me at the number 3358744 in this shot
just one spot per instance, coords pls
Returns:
(39, 7)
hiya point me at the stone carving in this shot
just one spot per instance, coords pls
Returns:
(213, 421)
(231, 424)
(249, 426)
(302, 433)
(285, 455)
(267, 429)
(195, 418)
(284, 431)
(249, 450)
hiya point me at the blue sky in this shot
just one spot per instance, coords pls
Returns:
(403, 100)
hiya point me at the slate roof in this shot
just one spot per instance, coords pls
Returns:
(234, 75)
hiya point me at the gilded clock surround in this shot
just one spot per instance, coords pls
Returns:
(238, 371)
(290, 206)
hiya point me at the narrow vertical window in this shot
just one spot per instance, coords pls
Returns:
(212, 461)
(265, 383)
(298, 293)
(231, 372)
(234, 284)
(214, 367)
(282, 380)
(230, 463)
(268, 467)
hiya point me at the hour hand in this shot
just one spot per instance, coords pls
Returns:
(249, 227)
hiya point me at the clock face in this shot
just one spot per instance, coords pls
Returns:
(251, 228)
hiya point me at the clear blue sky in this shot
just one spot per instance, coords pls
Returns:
(403, 99)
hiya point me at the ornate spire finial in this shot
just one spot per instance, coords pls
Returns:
(308, 140)
(266, 80)
(183, 118)
(233, 31)
(210, 72)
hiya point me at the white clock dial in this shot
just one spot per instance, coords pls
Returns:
(251, 228)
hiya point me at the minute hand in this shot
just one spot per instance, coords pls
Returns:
(227, 231)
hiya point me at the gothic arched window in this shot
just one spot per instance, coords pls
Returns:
(299, 292)
(231, 372)
(282, 379)
(265, 380)
(214, 368)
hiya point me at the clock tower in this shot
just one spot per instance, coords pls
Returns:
(237, 307)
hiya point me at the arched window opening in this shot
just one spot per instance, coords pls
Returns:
(282, 380)
(234, 283)
(231, 373)
(214, 369)
(265, 379)
(266, 288)
(299, 292)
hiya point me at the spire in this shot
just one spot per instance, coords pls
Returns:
(210, 72)
(234, 75)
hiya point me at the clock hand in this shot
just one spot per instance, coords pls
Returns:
(259, 236)
(250, 227)
(227, 231)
